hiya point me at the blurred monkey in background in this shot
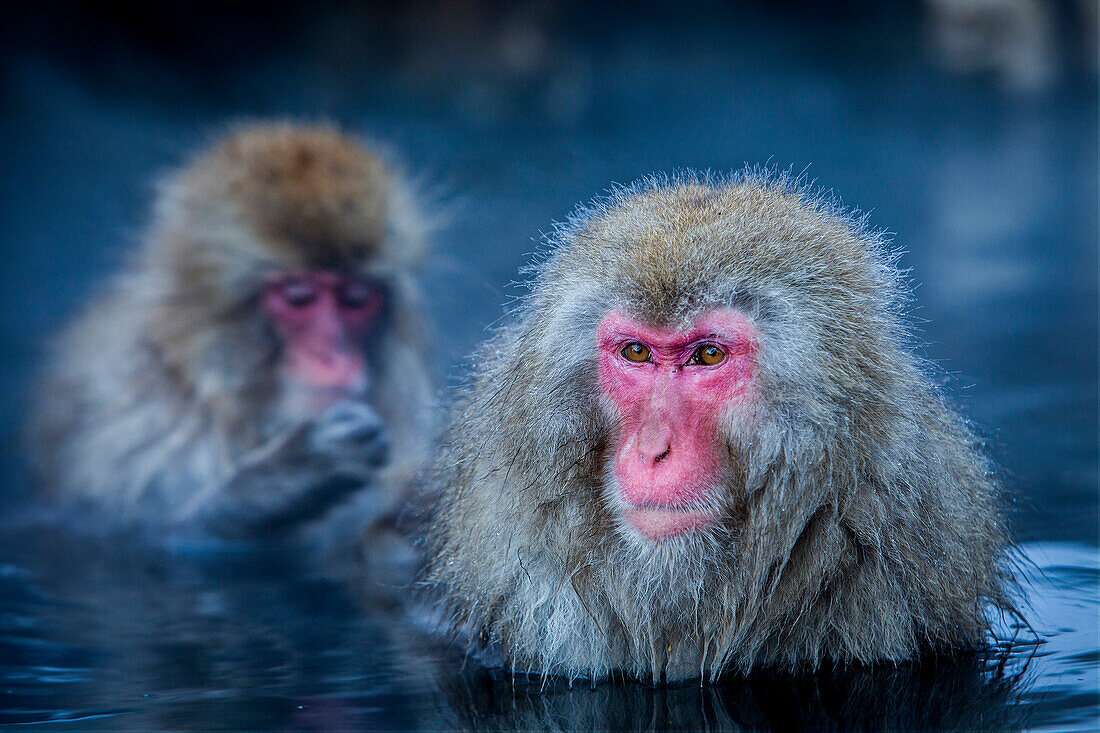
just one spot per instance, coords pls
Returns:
(262, 361)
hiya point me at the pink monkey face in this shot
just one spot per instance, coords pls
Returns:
(671, 388)
(322, 318)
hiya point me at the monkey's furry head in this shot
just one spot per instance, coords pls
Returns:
(266, 198)
(814, 278)
(860, 519)
(288, 196)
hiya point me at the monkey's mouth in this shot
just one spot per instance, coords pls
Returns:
(662, 523)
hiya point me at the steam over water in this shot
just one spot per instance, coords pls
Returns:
(991, 192)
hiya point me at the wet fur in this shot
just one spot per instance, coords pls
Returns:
(166, 384)
(861, 522)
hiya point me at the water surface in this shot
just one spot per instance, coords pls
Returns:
(98, 636)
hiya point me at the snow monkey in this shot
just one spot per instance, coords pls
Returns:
(703, 446)
(262, 359)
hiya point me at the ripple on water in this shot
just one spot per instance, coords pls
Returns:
(1062, 681)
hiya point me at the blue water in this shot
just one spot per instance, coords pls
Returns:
(993, 197)
(113, 637)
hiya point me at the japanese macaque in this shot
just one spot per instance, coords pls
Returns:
(702, 446)
(262, 360)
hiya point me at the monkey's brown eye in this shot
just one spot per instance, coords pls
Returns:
(299, 293)
(635, 351)
(708, 355)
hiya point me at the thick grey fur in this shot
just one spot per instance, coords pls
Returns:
(860, 522)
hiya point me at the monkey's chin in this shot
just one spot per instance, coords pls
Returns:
(663, 523)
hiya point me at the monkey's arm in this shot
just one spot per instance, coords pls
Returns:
(297, 477)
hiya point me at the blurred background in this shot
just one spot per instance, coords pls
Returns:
(967, 128)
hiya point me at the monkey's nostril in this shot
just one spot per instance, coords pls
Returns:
(663, 455)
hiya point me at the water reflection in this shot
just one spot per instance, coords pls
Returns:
(938, 693)
(197, 640)
(108, 634)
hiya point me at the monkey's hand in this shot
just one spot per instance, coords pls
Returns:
(300, 477)
(351, 435)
